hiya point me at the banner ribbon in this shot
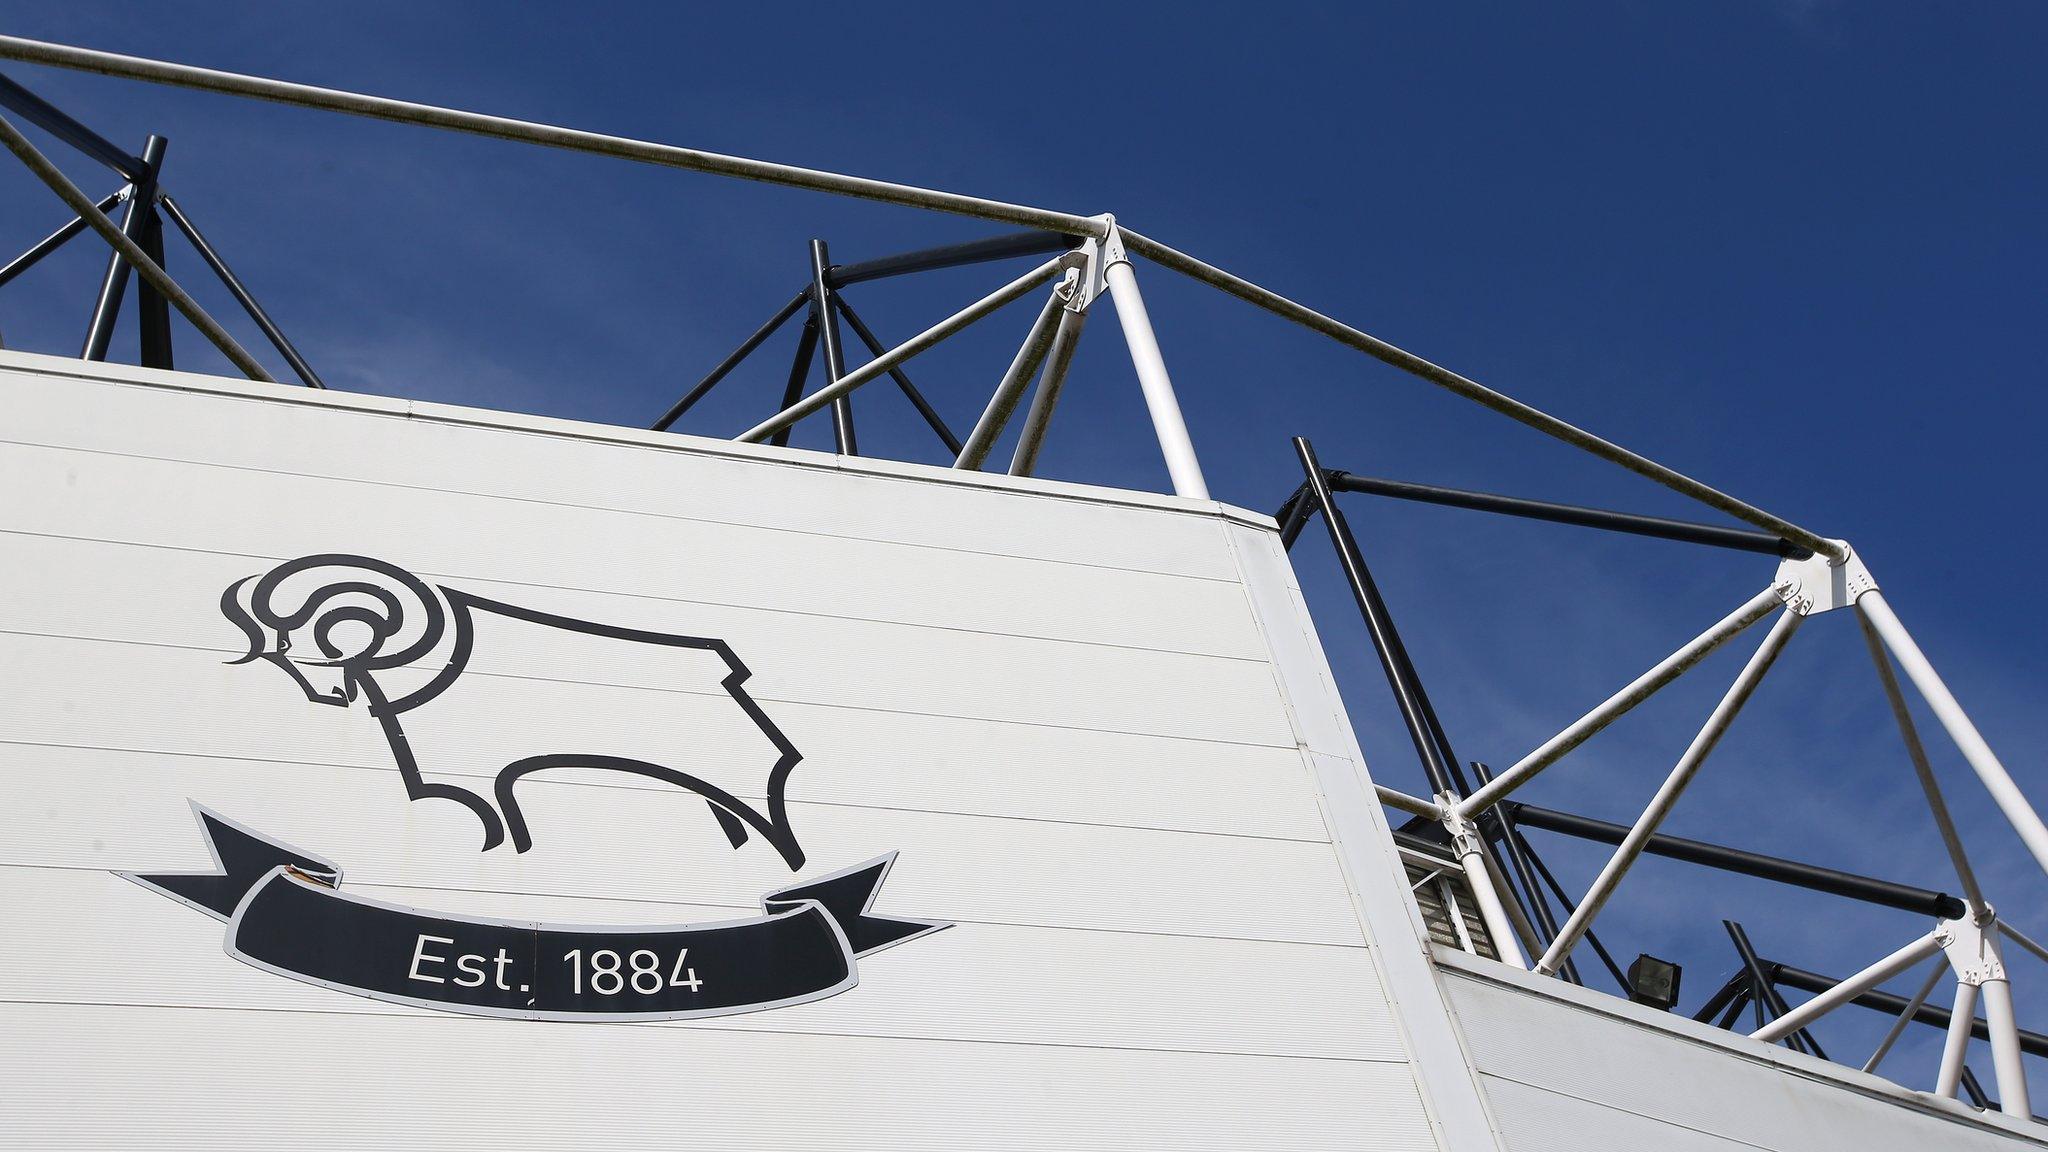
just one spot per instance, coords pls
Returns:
(286, 914)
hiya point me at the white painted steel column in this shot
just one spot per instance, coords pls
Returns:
(1667, 795)
(1963, 1016)
(1640, 689)
(1470, 846)
(2004, 1027)
(1160, 400)
(1928, 945)
(1982, 760)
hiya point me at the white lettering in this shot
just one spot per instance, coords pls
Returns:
(419, 953)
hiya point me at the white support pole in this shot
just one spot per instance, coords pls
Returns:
(1667, 795)
(1038, 418)
(1917, 753)
(1010, 389)
(2011, 801)
(1610, 710)
(1414, 805)
(1160, 401)
(2004, 1027)
(2018, 937)
(1912, 1009)
(1928, 945)
(1961, 1018)
(874, 369)
(1525, 932)
(1470, 847)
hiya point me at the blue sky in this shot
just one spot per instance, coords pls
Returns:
(1793, 249)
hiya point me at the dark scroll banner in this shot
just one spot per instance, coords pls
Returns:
(286, 914)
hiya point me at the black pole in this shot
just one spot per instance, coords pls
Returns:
(1975, 1089)
(1293, 516)
(731, 362)
(1741, 539)
(1722, 997)
(50, 243)
(1836, 883)
(876, 348)
(1565, 899)
(152, 311)
(49, 118)
(2032, 1043)
(1766, 992)
(1002, 247)
(806, 347)
(1386, 641)
(99, 333)
(835, 357)
(227, 277)
(1742, 1000)
(1537, 906)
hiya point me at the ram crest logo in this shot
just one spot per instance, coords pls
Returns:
(352, 630)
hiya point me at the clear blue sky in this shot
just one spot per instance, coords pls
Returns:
(1793, 248)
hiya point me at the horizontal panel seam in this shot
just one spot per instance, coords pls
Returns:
(630, 787)
(791, 701)
(727, 604)
(1547, 1089)
(701, 1026)
(373, 882)
(740, 524)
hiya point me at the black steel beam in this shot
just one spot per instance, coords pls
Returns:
(2032, 1043)
(135, 216)
(1727, 994)
(731, 362)
(1293, 516)
(876, 348)
(50, 243)
(49, 118)
(1741, 539)
(1386, 641)
(1832, 881)
(1510, 847)
(235, 287)
(806, 348)
(152, 311)
(1002, 247)
(1564, 898)
(1766, 993)
(827, 319)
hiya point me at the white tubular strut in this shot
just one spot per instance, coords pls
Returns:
(2011, 801)
(1160, 401)
(1667, 795)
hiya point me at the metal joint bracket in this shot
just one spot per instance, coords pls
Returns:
(1972, 949)
(1112, 242)
(1464, 830)
(1817, 583)
(1084, 276)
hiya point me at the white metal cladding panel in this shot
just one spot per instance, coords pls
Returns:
(124, 810)
(167, 1078)
(1537, 1120)
(73, 937)
(458, 535)
(1061, 712)
(166, 596)
(1604, 1073)
(851, 756)
(433, 448)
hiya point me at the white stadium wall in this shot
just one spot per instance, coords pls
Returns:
(1094, 731)
(632, 790)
